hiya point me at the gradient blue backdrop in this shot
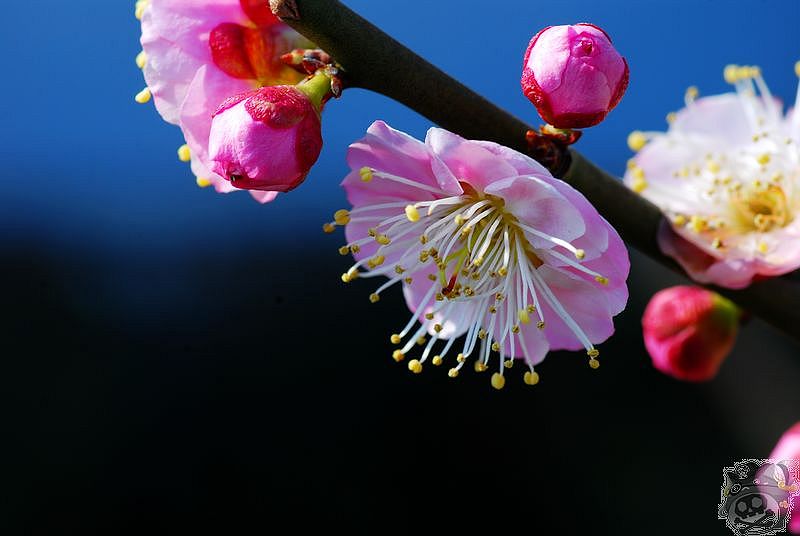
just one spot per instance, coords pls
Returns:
(151, 327)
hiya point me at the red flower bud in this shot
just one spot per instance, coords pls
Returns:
(266, 139)
(573, 75)
(689, 331)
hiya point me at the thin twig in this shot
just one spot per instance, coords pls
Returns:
(373, 60)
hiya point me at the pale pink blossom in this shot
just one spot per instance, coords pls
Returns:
(197, 53)
(486, 244)
(727, 177)
(689, 331)
(573, 75)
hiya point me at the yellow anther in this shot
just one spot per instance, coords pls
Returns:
(636, 141)
(731, 73)
(382, 239)
(671, 117)
(437, 328)
(141, 59)
(415, 366)
(481, 334)
(421, 340)
(514, 329)
(423, 239)
(498, 380)
(639, 185)
(372, 232)
(355, 248)
(763, 159)
(716, 243)
(754, 71)
(523, 316)
(713, 166)
(742, 72)
(412, 213)
(508, 363)
(593, 352)
(453, 372)
(365, 173)
(691, 93)
(762, 247)
(492, 309)
(341, 217)
(580, 254)
(797, 69)
(344, 250)
(346, 278)
(376, 261)
(637, 173)
(184, 154)
(374, 297)
(328, 227)
(460, 358)
(601, 279)
(395, 338)
(531, 308)
(437, 360)
(399, 269)
(503, 271)
(203, 182)
(594, 363)
(143, 96)
(540, 324)
(432, 277)
(530, 377)
(697, 224)
(459, 219)
(429, 316)
(478, 261)
(496, 346)
(141, 5)
(398, 356)
(439, 296)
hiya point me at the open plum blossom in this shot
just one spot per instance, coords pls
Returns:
(197, 53)
(573, 75)
(727, 176)
(487, 244)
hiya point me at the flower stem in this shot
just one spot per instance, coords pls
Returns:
(373, 60)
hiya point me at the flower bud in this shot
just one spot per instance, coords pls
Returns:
(573, 75)
(788, 448)
(266, 139)
(689, 331)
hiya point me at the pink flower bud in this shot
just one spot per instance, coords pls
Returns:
(689, 331)
(788, 448)
(573, 75)
(266, 139)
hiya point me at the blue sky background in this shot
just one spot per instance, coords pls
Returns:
(88, 170)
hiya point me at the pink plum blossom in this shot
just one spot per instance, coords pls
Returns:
(197, 53)
(689, 331)
(726, 174)
(486, 244)
(788, 450)
(573, 75)
(266, 139)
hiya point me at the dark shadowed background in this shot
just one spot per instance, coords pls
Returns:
(177, 359)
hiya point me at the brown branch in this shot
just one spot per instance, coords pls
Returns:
(375, 61)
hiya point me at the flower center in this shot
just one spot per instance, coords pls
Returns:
(762, 210)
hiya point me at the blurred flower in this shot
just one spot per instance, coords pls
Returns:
(788, 448)
(689, 331)
(486, 243)
(197, 53)
(268, 138)
(573, 75)
(727, 176)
